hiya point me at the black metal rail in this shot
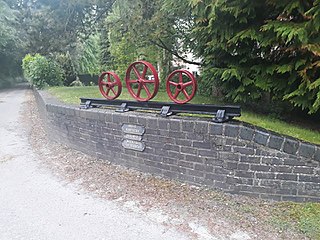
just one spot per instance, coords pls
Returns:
(221, 113)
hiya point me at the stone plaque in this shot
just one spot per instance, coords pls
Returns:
(133, 129)
(133, 145)
(133, 137)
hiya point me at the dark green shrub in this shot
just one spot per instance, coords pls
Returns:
(69, 72)
(41, 71)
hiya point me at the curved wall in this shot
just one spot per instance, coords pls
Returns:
(232, 157)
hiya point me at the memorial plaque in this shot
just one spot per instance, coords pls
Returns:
(133, 137)
(133, 129)
(133, 145)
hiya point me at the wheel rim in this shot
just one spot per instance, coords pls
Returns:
(110, 85)
(142, 81)
(181, 86)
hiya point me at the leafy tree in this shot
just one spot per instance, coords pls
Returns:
(88, 56)
(257, 48)
(56, 25)
(10, 45)
(126, 44)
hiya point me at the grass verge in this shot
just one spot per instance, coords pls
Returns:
(304, 216)
(71, 95)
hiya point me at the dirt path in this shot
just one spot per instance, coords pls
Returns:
(36, 205)
(48, 191)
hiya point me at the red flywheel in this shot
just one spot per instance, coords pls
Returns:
(110, 85)
(142, 81)
(181, 86)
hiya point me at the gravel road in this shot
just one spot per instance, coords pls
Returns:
(34, 204)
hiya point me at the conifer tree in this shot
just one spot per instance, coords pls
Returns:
(251, 48)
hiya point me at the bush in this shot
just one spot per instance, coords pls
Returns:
(66, 63)
(41, 71)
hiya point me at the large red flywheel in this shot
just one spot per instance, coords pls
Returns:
(110, 85)
(181, 86)
(142, 81)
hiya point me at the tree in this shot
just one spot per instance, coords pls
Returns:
(254, 48)
(54, 26)
(10, 45)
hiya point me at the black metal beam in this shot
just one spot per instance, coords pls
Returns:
(228, 110)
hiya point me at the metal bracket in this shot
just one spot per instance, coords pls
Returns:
(87, 105)
(220, 116)
(165, 111)
(123, 108)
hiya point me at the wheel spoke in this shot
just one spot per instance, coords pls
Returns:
(180, 78)
(103, 83)
(173, 83)
(147, 91)
(139, 90)
(176, 93)
(144, 72)
(185, 93)
(149, 81)
(187, 84)
(107, 92)
(133, 81)
(109, 79)
(112, 89)
(136, 71)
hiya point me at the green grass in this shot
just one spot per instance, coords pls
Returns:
(71, 95)
(304, 216)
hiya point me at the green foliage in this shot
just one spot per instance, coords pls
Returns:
(254, 48)
(127, 43)
(41, 71)
(88, 56)
(69, 71)
(11, 45)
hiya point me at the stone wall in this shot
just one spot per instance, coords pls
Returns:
(233, 157)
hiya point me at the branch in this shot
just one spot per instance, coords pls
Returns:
(175, 53)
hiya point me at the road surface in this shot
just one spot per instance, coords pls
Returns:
(36, 205)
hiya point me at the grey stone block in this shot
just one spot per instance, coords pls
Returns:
(163, 124)
(287, 176)
(231, 130)
(152, 123)
(216, 177)
(261, 137)
(216, 129)
(208, 153)
(187, 126)
(290, 146)
(306, 150)
(276, 142)
(308, 178)
(188, 150)
(202, 145)
(246, 133)
(229, 156)
(175, 125)
(201, 128)
(243, 150)
(244, 174)
(317, 154)
(183, 142)
(195, 173)
(303, 170)
(250, 159)
(265, 175)
(260, 168)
